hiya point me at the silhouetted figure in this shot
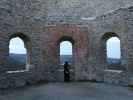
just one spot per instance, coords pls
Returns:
(66, 72)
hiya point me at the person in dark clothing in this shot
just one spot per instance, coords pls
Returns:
(66, 72)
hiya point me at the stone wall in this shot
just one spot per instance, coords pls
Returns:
(87, 24)
(74, 10)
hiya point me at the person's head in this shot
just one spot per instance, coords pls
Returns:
(66, 63)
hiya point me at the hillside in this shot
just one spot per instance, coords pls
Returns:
(113, 61)
(16, 62)
(65, 58)
(21, 58)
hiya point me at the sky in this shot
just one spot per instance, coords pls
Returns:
(17, 46)
(113, 47)
(64, 50)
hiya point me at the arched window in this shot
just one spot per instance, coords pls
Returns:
(66, 52)
(19, 52)
(112, 51)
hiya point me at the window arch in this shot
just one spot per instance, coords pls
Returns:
(66, 50)
(112, 50)
(19, 52)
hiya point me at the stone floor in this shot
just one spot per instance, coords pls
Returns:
(69, 91)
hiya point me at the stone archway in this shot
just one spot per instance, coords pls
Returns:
(106, 37)
(27, 46)
(69, 59)
(78, 36)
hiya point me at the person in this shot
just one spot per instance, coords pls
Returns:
(66, 72)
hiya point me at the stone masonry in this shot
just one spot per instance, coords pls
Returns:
(87, 24)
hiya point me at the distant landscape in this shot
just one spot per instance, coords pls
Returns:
(21, 58)
(65, 58)
(16, 62)
(113, 61)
